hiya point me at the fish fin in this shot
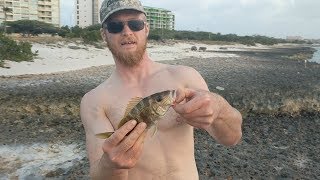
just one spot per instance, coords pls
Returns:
(154, 130)
(104, 135)
(133, 102)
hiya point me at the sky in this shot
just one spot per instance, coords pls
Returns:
(273, 18)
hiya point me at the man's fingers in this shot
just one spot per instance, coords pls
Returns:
(205, 110)
(188, 107)
(129, 141)
(119, 134)
(183, 93)
(136, 149)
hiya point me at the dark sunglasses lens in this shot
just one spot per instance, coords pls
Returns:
(115, 27)
(136, 25)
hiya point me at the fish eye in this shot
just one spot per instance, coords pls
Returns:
(158, 98)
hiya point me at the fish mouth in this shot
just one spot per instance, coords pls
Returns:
(173, 96)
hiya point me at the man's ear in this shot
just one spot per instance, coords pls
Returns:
(147, 29)
(103, 34)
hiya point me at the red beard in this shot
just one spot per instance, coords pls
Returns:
(129, 59)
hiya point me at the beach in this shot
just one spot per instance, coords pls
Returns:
(277, 92)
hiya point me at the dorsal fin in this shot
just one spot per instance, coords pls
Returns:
(133, 102)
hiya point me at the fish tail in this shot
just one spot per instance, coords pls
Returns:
(104, 135)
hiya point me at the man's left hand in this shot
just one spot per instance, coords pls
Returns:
(200, 108)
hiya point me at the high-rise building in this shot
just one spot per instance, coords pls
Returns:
(42, 10)
(87, 12)
(159, 18)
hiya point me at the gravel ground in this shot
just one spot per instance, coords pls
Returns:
(279, 98)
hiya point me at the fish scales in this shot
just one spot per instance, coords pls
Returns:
(149, 110)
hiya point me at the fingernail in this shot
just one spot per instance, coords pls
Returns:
(143, 125)
(133, 122)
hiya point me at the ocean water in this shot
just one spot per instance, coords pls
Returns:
(316, 56)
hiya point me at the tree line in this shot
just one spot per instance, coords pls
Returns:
(91, 33)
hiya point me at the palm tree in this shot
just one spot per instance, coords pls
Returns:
(5, 10)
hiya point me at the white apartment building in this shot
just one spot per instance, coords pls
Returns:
(42, 10)
(159, 18)
(87, 12)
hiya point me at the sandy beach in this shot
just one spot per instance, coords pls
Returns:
(279, 97)
(66, 56)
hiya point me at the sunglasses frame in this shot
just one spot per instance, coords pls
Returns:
(132, 27)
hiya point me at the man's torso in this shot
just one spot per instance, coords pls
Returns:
(169, 154)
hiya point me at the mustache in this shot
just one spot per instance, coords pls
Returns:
(128, 39)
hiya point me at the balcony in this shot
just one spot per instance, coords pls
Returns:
(44, 3)
(44, 9)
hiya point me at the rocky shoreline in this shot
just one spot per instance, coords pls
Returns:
(275, 90)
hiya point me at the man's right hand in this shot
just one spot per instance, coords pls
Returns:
(121, 151)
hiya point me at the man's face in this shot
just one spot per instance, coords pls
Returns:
(127, 46)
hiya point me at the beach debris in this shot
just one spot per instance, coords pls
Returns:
(6, 64)
(74, 47)
(223, 48)
(149, 110)
(220, 88)
(194, 48)
(202, 49)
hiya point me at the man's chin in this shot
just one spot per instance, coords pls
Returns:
(130, 59)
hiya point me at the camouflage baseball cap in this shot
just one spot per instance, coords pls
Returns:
(109, 7)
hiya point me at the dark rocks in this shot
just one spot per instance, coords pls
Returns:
(202, 49)
(194, 48)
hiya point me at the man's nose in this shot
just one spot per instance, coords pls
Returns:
(126, 30)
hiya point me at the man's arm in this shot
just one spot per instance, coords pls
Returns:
(207, 110)
(110, 158)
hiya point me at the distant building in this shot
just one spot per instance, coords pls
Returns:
(159, 18)
(87, 12)
(47, 11)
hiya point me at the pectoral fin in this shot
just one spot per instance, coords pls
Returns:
(104, 135)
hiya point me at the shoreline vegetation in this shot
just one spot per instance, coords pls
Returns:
(275, 89)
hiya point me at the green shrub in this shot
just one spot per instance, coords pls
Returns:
(32, 27)
(91, 36)
(13, 51)
(154, 37)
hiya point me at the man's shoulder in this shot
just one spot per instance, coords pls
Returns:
(94, 94)
(180, 69)
(187, 75)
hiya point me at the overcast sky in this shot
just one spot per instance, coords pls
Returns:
(276, 18)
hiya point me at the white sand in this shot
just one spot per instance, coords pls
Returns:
(20, 161)
(59, 57)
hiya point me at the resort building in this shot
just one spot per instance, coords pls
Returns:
(47, 11)
(87, 12)
(159, 18)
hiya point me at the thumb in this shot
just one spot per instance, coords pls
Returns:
(184, 93)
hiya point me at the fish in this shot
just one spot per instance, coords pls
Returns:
(149, 109)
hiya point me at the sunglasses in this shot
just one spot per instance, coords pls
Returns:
(118, 26)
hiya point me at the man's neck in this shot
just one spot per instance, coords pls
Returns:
(135, 74)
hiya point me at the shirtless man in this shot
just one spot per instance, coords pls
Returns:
(169, 154)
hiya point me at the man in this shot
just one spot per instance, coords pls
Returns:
(169, 154)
